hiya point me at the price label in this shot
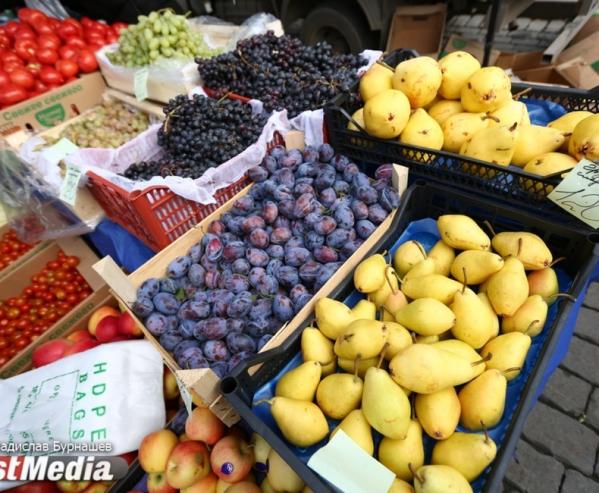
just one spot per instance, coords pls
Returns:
(140, 84)
(578, 193)
(185, 395)
(68, 189)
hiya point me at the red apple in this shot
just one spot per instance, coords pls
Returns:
(170, 387)
(79, 335)
(72, 486)
(49, 352)
(107, 329)
(243, 487)
(203, 425)
(188, 463)
(157, 483)
(98, 315)
(128, 326)
(96, 488)
(205, 485)
(129, 457)
(231, 459)
(81, 345)
(37, 487)
(155, 449)
(119, 338)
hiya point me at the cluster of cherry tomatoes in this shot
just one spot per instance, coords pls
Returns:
(53, 292)
(11, 248)
(39, 53)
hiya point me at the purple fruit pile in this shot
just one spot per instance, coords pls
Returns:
(261, 262)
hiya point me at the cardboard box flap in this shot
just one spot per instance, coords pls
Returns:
(587, 49)
(520, 61)
(419, 27)
(578, 73)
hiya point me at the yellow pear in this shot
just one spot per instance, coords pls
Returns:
(301, 382)
(438, 413)
(358, 117)
(567, 123)
(544, 282)
(422, 268)
(510, 114)
(508, 288)
(468, 453)
(426, 339)
(280, 476)
(339, 394)
(443, 255)
(391, 286)
(361, 339)
(358, 429)
(424, 369)
(456, 68)
(376, 79)
(394, 302)
(459, 127)
(362, 364)
(386, 114)
(529, 319)
(370, 274)
(401, 486)
(332, 317)
(486, 90)
(422, 130)
(487, 302)
(492, 144)
(364, 309)
(473, 322)
(407, 256)
(265, 487)
(398, 338)
(307, 490)
(261, 449)
(440, 479)
(534, 140)
(465, 351)
(397, 454)
(316, 347)
(462, 233)
(434, 286)
(527, 247)
(475, 266)
(385, 405)
(584, 141)
(509, 353)
(419, 79)
(483, 400)
(302, 423)
(426, 316)
(443, 109)
(548, 164)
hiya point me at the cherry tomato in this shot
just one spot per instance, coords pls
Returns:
(11, 94)
(13, 313)
(112, 38)
(26, 49)
(51, 76)
(68, 52)
(118, 26)
(49, 40)
(10, 28)
(68, 68)
(42, 26)
(87, 61)
(47, 56)
(5, 41)
(77, 43)
(4, 78)
(69, 28)
(10, 57)
(22, 78)
(72, 261)
(23, 31)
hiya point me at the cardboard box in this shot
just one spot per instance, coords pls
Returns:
(476, 49)
(579, 73)
(15, 282)
(543, 75)
(23, 258)
(520, 61)
(419, 27)
(53, 107)
(591, 26)
(587, 49)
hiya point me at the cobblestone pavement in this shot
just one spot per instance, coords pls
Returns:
(558, 450)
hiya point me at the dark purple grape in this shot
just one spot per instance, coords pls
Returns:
(262, 308)
(168, 285)
(192, 358)
(169, 340)
(379, 185)
(256, 257)
(213, 328)
(312, 218)
(267, 285)
(365, 228)
(376, 213)
(252, 222)
(294, 158)
(283, 192)
(208, 265)
(280, 236)
(281, 222)
(215, 350)
(294, 242)
(325, 273)
(240, 306)
(166, 303)
(301, 301)
(143, 307)
(196, 274)
(351, 169)
(282, 308)
(182, 346)
(258, 174)
(243, 206)
(325, 153)
(235, 325)
(187, 286)
(360, 210)
(384, 172)
(272, 269)
(303, 206)
(360, 180)
(258, 192)
(196, 251)
(301, 188)
(194, 310)
(306, 170)
(324, 179)
(237, 359)
(296, 291)
(156, 323)
(325, 226)
(297, 256)
(325, 254)
(217, 227)
(310, 154)
(149, 288)
(212, 279)
(270, 163)
(259, 238)
(186, 328)
(344, 201)
(221, 368)
(241, 266)
(340, 162)
(200, 296)
(338, 238)
(286, 208)
(284, 177)
(261, 342)
(172, 322)
(237, 283)
(270, 211)
(240, 342)
(233, 251)
(389, 198)
(309, 271)
(278, 152)
(368, 195)
(221, 303)
(341, 187)
(275, 251)
(255, 275)
(297, 228)
(257, 327)
(306, 180)
(344, 217)
(312, 240)
(287, 276)
(234, 225)
(269, 187)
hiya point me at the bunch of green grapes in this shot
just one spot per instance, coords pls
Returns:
(161, 34)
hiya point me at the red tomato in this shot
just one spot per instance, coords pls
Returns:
(39, 87)
(93, 47)
(47, 56)
(12, 66)
(77, 43)
(86, 21)
(11, 94)
(34, 69)
(42, 26)
(96, 39)
(68, 52)
(10, 57)
(51, 76)
(112, 38)
(5, 41)
(87, 61)
(50, 40)
(11, 28)
(26, 49)
(30, 15)
(118, 26)
(69, 28)
(68, 68)
(4, 78)
(23, 31)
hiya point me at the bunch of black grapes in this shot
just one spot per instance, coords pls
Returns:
(282, 72)
(200, 133)
(262, 261)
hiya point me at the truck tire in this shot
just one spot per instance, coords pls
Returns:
(340, 25)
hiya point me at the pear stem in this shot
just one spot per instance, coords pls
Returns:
(393, 290)
(465, 280)
(262, 401)
(383, 351)
(399, 279)
(386, 65)
(421, 248)
(513, 127)
(528, 329)
(563, 295)
(519, 247)
(483, 360)
(492, 117)
(485, 431)
(559, 259)
(356, 362)
(509, 370)
(521, 93)
(415, 473)
(488, 225)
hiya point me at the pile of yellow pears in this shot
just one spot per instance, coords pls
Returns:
(423, 331)
(455, 105)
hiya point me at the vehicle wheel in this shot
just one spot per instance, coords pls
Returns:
(340, 26)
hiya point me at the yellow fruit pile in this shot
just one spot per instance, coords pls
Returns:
(457, 106)
(452, 331)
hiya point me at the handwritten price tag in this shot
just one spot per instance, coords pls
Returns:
(140, 84)
(68, 189)
(578, 193)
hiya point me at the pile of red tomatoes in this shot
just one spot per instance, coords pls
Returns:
(11, 248)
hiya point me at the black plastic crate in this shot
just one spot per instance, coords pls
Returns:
(429, 201)
(505, 183)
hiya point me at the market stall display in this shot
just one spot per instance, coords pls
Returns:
(13, 251)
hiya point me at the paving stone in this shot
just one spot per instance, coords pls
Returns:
(563, 437)
(593, 410)
(587, 325)
(582, 359)
(568, 392)
(578, 483)
(592, 297)
(534, 471)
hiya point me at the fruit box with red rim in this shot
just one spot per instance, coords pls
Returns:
(16, 281)
(53, 107)
(204, 382)
(23, 258)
